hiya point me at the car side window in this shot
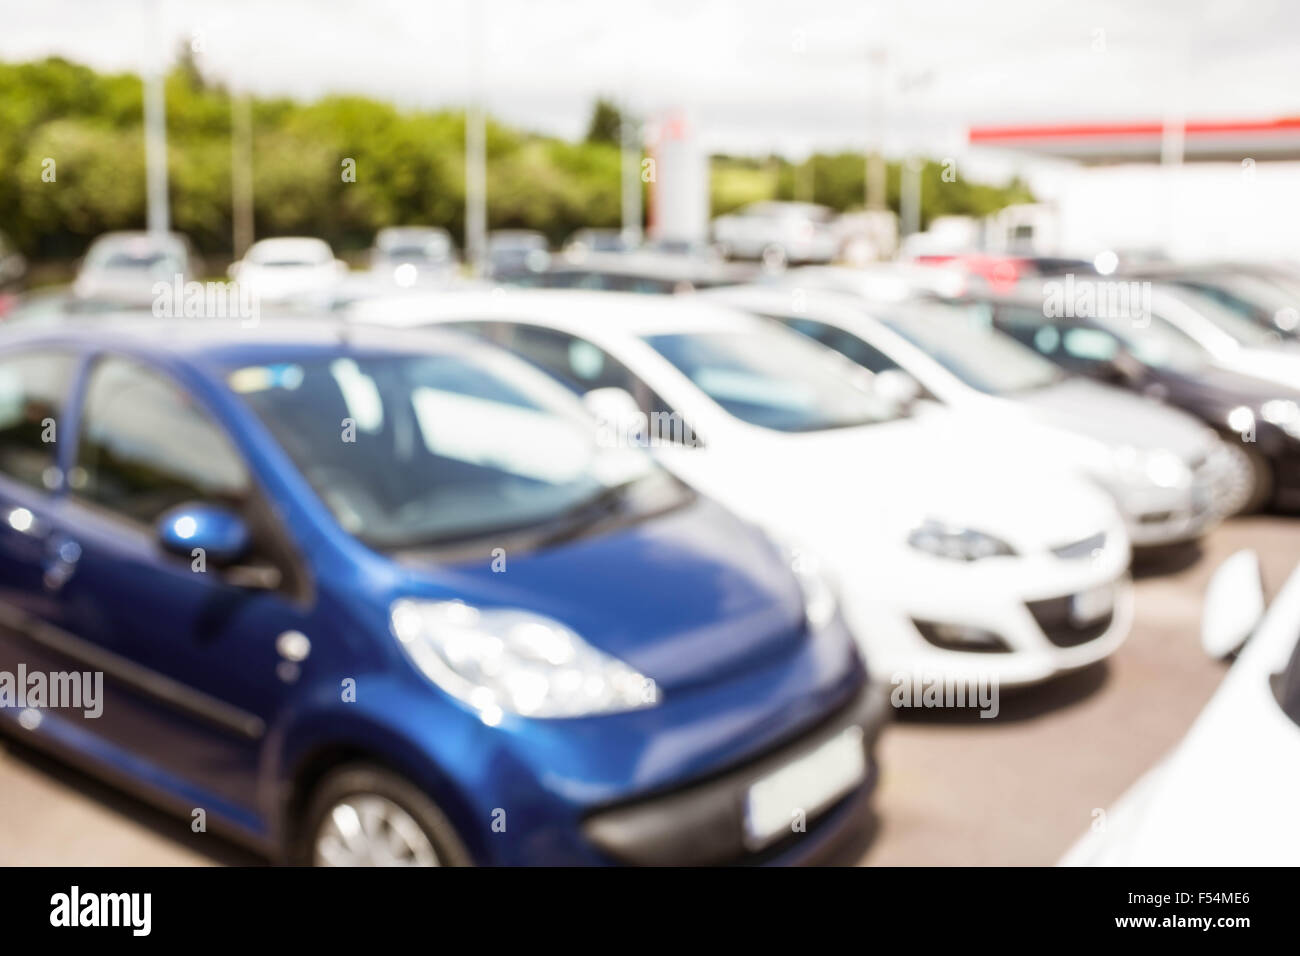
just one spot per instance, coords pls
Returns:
(847, 344)
(1091, 345)
(576, 362)
(1029, 327)
(34, 388)
(583, 366)
(146, 446)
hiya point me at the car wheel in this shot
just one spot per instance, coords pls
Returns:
(1256, 475)
(362, 815)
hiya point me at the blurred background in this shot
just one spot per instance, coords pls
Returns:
(1092, 113)
(999, 136)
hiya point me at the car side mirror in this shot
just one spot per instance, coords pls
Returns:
(220, 535)
(615, 409)
(1234, 605)
(897, 387)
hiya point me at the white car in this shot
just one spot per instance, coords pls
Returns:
(1225, 796)
(288, 269)
(1171, 476)
(124, 267)
(778, 233)
(954, 555)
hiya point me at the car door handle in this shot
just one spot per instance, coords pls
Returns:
(61, 557)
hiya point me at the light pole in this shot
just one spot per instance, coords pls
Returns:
(241, 174)
(475, 147)
(158, 215)
(629, 131)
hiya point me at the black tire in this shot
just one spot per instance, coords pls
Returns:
(357, 779)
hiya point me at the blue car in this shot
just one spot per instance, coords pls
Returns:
(358, 597)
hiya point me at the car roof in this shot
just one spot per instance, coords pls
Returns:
(290, 242)
(223, 342)
(138, 237)
(649, 264)
(579, 312)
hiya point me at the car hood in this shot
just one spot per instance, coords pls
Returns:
(1116, 417)
(687, 598)
(862, 490)
(1281, 365)
(127, 287)
(1213, 392)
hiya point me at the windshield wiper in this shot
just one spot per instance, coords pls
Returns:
(574, 520)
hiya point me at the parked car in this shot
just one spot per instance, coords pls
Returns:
(121, 268)
(1171, 477)
(1267, 296)
(289, 270)
(1230, 339)
(411, 255)
(880, 282)
(643, 272)
(1258, 419)
(583, 242)
(778, 233)
(1002, 273)
(516, 252)
(13, 266)
(1225, 794)
(361, 596)
(955, 554)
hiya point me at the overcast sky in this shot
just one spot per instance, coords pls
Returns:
(783, 75)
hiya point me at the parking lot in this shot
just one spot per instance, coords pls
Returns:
(955, 790)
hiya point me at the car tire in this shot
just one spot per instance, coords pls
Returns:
(1261, 494)
(370, 786)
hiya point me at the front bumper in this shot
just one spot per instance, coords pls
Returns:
(1156, 517)
(703, 822)
(1017, 600)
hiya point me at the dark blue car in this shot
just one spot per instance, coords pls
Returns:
(359, 598)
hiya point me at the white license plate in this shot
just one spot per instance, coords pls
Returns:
(1092, 605)
(803, 787)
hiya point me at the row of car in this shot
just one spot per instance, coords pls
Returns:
(471, 575)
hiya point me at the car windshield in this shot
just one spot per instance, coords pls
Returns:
(774, 378)
(1243, 330)
(277, 255)
(517, 243)
(1156, 344)
(137, 257)
(963, 340)
(1266, 302)
(416, 451)
(429, 246)
(1286, 686)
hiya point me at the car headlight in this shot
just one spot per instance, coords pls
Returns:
(819, 602)
(1284, 413)
(1159, 467)
(959, 544)
(509, 660)
(1241, 420)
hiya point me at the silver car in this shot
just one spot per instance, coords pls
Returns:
(1171, 476)
(123, 267)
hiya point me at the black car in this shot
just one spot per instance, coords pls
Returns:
(1259, 417)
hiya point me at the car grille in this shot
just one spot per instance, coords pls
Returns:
(1083, 548)
(1053, 616)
